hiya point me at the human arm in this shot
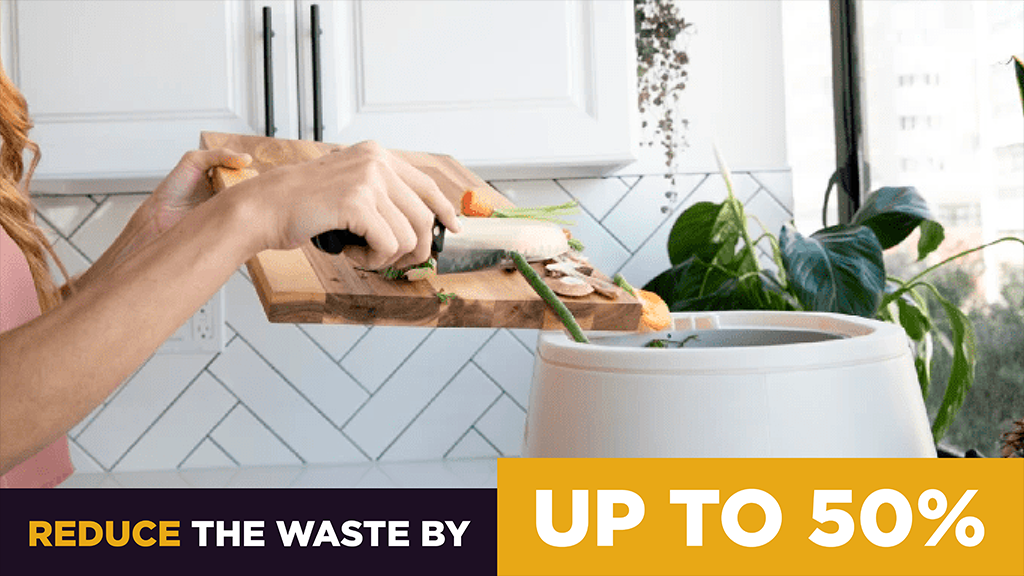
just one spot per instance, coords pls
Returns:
(186, 187)
(57, 368)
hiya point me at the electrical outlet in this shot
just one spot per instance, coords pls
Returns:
(202, 333)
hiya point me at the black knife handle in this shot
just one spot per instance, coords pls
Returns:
(334, 241)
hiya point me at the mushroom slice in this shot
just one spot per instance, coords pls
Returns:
(570, 286)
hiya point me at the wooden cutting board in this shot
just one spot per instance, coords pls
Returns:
(306, 285)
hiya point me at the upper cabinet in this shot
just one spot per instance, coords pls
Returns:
(118, 91)
(521, 86)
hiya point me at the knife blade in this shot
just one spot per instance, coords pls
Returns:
(485, 242)
(482, 243)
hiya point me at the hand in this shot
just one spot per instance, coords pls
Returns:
(362, 188)
(187, 186)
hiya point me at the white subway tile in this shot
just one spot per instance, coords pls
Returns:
(447, 417)
(336, 339)
(106, 223)
(290, 415)
(779, 183)
(413, 385)
(381, 352)
(64, 212)
(292, 353)
(83, 463)
(509, 363)
(247, 441)
(207, 455)
(138, 404)
(181, 427)
(597, 195)
(503, 425)
(472, 445)
(641, 211)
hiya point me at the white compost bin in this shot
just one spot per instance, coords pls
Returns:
(754, 384)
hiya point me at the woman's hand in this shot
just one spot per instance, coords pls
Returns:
(362, 188)
(187, 186)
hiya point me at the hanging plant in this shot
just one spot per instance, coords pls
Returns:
(661, 75)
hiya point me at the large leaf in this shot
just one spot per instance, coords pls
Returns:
(961, 374)
(692, 233)
(932, 234)
(694, 286)
(892, 213)
(836, 269)
(913, 317)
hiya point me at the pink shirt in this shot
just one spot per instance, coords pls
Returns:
(18, 304)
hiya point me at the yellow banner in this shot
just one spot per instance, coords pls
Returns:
(760, 516)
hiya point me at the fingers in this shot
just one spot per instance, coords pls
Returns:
(203, 160)
(382, 245)
(419, 219)
(429, 193)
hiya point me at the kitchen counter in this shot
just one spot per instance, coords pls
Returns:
(462, 473)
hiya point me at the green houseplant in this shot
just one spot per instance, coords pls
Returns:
(836, 269)
(840, 269)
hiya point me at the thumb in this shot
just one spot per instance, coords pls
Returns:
(207, 159)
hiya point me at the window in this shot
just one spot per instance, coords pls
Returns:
(940, 111)
(960, 142)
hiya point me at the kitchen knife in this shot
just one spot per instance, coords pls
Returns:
(485, 242)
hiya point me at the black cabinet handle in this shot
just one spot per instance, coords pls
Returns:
(268, 74)
(332, 241)
(318, 110)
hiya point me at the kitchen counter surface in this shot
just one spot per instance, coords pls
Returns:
(463, 473)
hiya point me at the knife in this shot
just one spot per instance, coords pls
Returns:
(482, 243)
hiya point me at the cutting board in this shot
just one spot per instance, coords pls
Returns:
(306, 285)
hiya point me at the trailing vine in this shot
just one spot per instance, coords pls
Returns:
(661, 75)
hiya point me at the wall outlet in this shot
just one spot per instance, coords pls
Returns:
(203, 333)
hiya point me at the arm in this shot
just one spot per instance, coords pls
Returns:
(58, 367)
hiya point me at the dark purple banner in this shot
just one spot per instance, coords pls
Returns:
(251, 532)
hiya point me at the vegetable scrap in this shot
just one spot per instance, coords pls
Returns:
(444, 297)
(475, 204)
(549, 297)
(655, 315)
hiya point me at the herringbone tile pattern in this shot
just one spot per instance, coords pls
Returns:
(310, 394)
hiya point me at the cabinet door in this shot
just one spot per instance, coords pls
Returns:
(507, 87)
(120, 90)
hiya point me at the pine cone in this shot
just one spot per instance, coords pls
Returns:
(1013, 441)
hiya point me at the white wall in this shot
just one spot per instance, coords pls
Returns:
(734, 95)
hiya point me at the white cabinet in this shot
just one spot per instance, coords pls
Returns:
(118, 91)
(518, 87)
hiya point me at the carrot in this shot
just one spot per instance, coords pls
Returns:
(474, 204)
(477, 205)
(654, 315)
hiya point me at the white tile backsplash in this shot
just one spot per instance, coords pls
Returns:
(323, 394)
(509, 364)
(412, 386)
(298, 423)
(443, 422)
(129, 414)
(503, 426)
(183, 426)
(596, 195)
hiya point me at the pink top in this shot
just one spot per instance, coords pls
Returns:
(19, 304)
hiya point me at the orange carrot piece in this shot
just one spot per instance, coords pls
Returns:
(474, 204)
(655, 315)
